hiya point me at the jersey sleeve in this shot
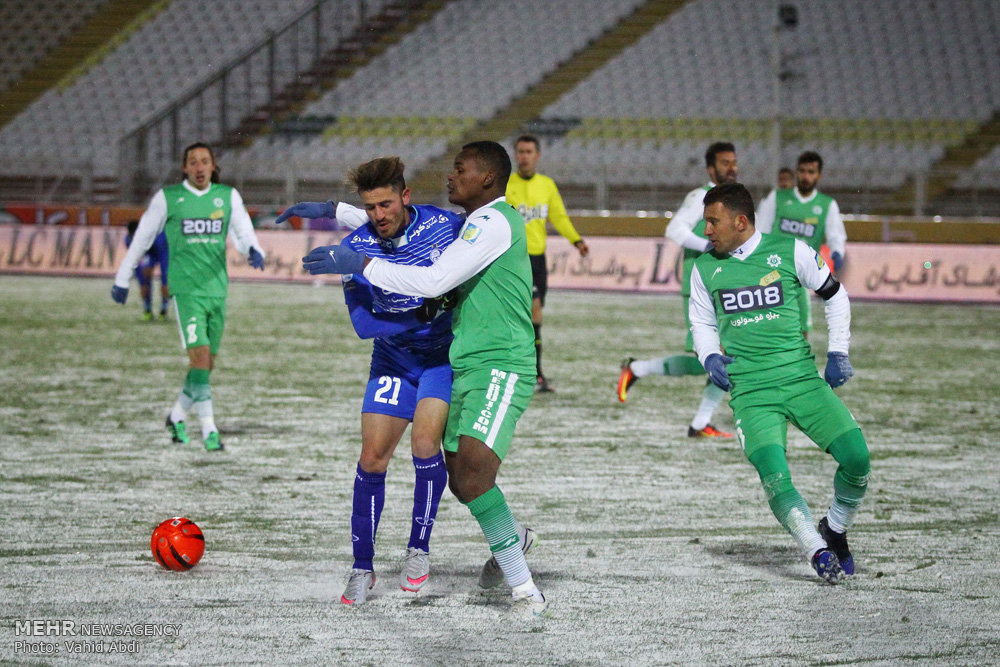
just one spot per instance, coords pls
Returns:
(349, 216)
(701, 313)
(241, 227)
(810, 266)
(679, 230)
(367, 323)
(836, 233)
(764, 217)
(481, 240)
(813, 274)
(150, 225)
(559, 218)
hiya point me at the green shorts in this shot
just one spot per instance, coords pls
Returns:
(201, 320)
(485, 405)
(762, 417)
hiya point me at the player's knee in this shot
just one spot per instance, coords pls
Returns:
(372, 461)
(850, 450)
(425, 448)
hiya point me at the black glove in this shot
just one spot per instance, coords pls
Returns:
(428, 310)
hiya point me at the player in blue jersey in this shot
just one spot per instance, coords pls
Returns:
(410, 377)
(157, 254)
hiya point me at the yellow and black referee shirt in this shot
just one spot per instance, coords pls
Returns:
(537, 199)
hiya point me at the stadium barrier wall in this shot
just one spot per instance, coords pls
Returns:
(872, 229)
(877, 271)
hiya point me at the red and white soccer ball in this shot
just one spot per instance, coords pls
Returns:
(177, 544)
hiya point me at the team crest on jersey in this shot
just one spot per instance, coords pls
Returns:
(471, 233)
(819, 261)
(774, 260)
(817, 209)
(435, 253)
(217, 202)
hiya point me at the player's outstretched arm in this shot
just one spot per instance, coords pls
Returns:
(333, 259)
(309, 209)
(814, 274)
(150, 225)
(368, 324)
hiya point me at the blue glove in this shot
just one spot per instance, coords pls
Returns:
(716, 364)
(838, 261)
(119, 294)
(838, 369)
(309, 209)
(256, 259)
(333, 259)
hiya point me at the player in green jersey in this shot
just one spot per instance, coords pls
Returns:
(744, 300)
(687, 229)
(493, 353)
(805, 213)
(197, 216)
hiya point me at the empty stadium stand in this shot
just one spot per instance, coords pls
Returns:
(901, 98)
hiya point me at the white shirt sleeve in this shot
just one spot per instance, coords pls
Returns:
(241, 227)
(836, 234)
(813, 274)
(482, 239)
(764, 217)
(150, 225)
(704, 325)
(684, 220)
(349, 216)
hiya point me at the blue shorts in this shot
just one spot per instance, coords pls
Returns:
(399, 380)
(149, 262)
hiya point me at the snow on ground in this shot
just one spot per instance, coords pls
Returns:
(655, 548)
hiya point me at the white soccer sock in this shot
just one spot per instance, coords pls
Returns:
(205, 416)
(804, 533)
(180, 410)
(710, 399)
(643, 367)
(840, 517)
(512, 561)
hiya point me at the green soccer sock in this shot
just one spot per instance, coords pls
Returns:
(500, 529)
(787, 505)
(199, 390)
(851, 479)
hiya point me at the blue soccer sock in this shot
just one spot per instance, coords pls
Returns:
(369, 498)
(431, 478)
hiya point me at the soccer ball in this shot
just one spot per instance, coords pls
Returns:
(177, 544)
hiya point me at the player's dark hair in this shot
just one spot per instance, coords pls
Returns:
(527, 136)
(809, 157)
(785, 170)
(492, 155)
(382, 172)
(132, 226)
(715, 149)
(734, 196)
(215, 163)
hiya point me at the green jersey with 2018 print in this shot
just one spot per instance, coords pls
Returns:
(801, 220)
(757, 305)
(196, 228)
(492, 322)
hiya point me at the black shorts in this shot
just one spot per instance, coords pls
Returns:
(539, 277)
